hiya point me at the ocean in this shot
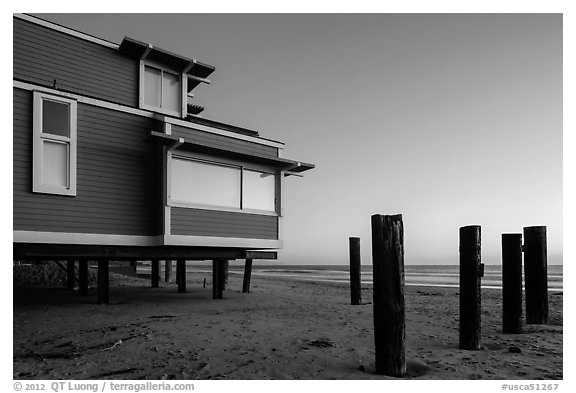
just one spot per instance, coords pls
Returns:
(421, 275)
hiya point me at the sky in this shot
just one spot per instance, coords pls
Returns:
(447, 119)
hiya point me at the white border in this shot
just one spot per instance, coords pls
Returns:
(134, 240)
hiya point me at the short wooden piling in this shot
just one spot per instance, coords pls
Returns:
(388, 294)
(471, 271)
(167, 270)
(83, 277)
(355, 272)
(181, 275)
(155, 273)
(103, 281)
(70, 274)
(536, 275)
(217, 278)
(247, 276)
(512, 283)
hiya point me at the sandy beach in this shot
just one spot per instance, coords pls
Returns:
(283, 329)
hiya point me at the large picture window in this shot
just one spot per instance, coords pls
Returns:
(200, 183)
(161, 90)
(54, 155)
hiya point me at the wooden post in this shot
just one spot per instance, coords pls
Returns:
(225, 270)
(217, 278)
(536, 275)
(181, 275)
(167, 270)
(155, 273)
(355, 272)
(388, 294)
(512, 283)
(70, 274)
(103, 281)
(83, 277)
(247, 274)
(471, 271)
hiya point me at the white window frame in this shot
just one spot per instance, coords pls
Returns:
(38, 146)
(241, 167)
(163, 69)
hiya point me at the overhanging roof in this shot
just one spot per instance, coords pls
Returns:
(290, 167)
(197, 71)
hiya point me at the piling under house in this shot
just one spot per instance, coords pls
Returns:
(112, 161)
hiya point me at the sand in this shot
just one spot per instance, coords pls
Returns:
(283, 329)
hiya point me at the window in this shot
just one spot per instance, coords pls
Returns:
(160, 90)
(196, 182)
(200, 183)
(54, 146)
(258, 190)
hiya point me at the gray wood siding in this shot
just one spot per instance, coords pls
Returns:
(224, 142)
(42, 55)
(119, 176)
(197, 222)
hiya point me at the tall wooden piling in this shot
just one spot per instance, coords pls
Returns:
(388, 296)
(103, 281)
(83, 277)
(355, 271)
(512, 283)
(536, 275)
(167, 270)
(70, 274)
(181, 275)
(155, 273)
(217, 278)
(247, 274)
(471, 271)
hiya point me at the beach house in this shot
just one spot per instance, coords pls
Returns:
(112, 160)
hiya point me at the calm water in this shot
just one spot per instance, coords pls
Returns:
(424, 275)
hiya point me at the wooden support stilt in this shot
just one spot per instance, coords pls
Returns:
(217, 278)
(247, 274)
(155, 273)
(388, 295)
(103, 281)
(536, 275)
(167, 270)
(181, 275)
(471, 271)
(70, 274)
(83, 277)
(512, 283)
(225, 270)
(355, 272)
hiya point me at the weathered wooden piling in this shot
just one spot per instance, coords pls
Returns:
(536, 274)
(167, 270)
(103, 281)
(70, 274)
(247, 275)
(471, 271)
(181, 275)
(355, 271)
(388, 294)
(155, 273)
(217, 278)
(512, 283)
(83, 277)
